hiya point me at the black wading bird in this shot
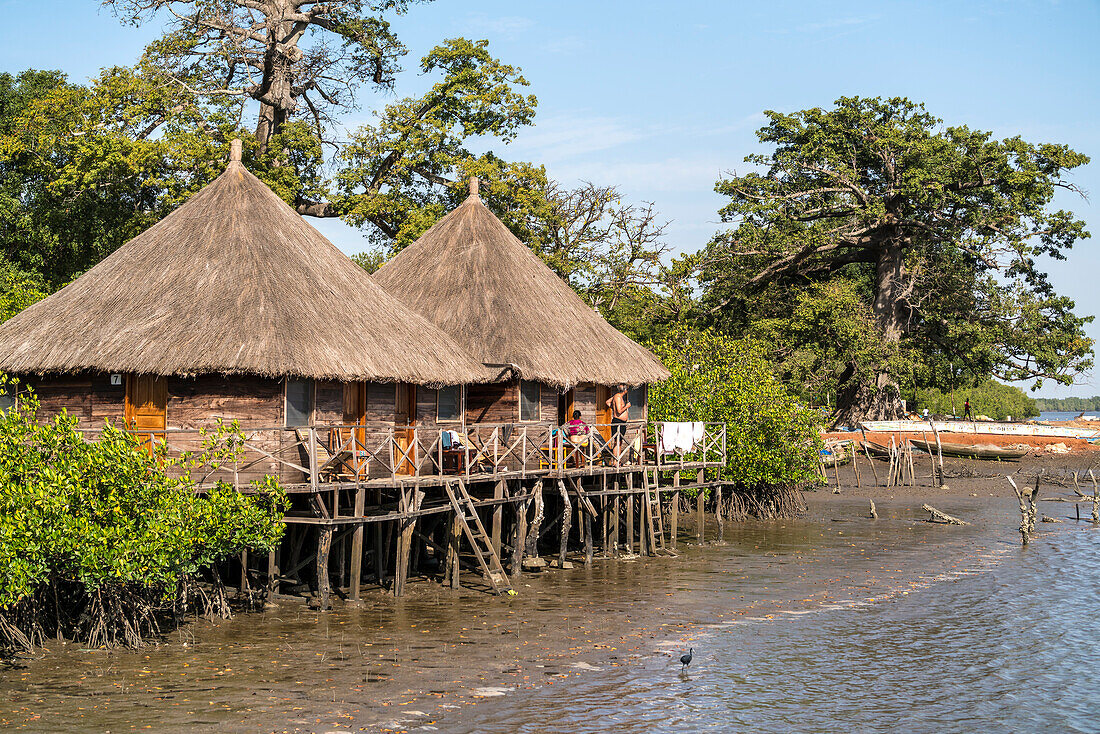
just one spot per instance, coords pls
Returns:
(685, 660)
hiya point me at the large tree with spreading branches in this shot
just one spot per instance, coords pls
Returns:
(940, 228)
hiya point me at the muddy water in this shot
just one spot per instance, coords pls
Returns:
(826, 622)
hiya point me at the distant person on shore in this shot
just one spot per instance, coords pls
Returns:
(967, 415)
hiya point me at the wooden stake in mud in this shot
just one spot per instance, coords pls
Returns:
(874, 513)
(855, 464)
(1026, 512)
(1095, 499)
(451, 566)
(519, 537)
(931, 458)
(870, 461)
(536, 526)
(836, 469)
(630, 515)
(939, 452)
(718, 506)
(357, 545)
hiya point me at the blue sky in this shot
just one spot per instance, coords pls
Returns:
(661, 98)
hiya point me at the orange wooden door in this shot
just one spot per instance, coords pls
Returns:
(355, 414)
(603, 412)
(404, 419)
(146, 408)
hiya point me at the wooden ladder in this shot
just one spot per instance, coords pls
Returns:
(655, 524)
(487, 557)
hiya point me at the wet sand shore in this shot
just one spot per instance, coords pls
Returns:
(403, 664)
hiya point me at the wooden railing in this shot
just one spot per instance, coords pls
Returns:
(323, 454)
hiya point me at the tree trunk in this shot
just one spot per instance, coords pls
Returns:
(880, 399)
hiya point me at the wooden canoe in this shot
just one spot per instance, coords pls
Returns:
(971, 451)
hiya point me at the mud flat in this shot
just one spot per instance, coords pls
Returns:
(439, 657)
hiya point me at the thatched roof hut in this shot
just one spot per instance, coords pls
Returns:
(474, 279)
(234, 282)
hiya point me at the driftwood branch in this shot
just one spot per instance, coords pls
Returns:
(942, 517)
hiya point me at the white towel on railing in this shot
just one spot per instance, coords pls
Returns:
(669, 437)
(697, 431)
(683, 438)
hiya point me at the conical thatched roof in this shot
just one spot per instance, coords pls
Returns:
(474, 279)
(233, 281)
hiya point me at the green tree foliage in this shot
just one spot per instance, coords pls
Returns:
(990, 398)
(99, 538)
(1068, 405)
(941, 227)
(771, 441)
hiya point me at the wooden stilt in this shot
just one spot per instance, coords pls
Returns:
(629, 516)
(324, 546)
(272, 572)
(413, 499)
(498, 516)
(718, 507)
(519, 538)
(244, 589)
(674, 520)
(451, 566)
(357, 546)
(616, 509)
(566, 518)
(699, 529)
(533, 531)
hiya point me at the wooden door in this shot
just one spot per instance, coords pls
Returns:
(404, 421)
(603, 412)
(567, 403)
(147, 406)
(355, 414)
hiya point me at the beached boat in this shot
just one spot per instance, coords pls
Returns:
(997, 428)
(971, 451)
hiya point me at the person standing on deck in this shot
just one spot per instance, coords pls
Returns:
(620, 409)
(966, 410)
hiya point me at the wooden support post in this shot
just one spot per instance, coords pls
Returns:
(357, 545)
(604, 511)
(629, 517)
(412, 501)
(699, 478)
(536, 525)
(586, 520)
(519, 537)
(674, 520)
(244, 589)
(498, 516)
(566, 521)
(451, 565)
(272, 572)
(324, 546)
(939, 452)
(718, 508)
(616, 509)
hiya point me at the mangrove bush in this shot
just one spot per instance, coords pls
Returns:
(102, 540)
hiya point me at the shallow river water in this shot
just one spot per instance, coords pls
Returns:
(831, 622)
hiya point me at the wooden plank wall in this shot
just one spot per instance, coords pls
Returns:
(254, 402)
(90, 397)
(585, 402)
(492, 403)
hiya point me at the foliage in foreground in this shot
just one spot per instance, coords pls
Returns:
(100, 539)
(772, 442)
(990, 398)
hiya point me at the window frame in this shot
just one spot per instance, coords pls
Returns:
(460, 404)
(311, 396)
(537, 401)
(644, 389)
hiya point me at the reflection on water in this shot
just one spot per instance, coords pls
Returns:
(831, 622)
(1004, 641)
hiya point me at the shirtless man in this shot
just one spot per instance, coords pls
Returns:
(620, 409)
